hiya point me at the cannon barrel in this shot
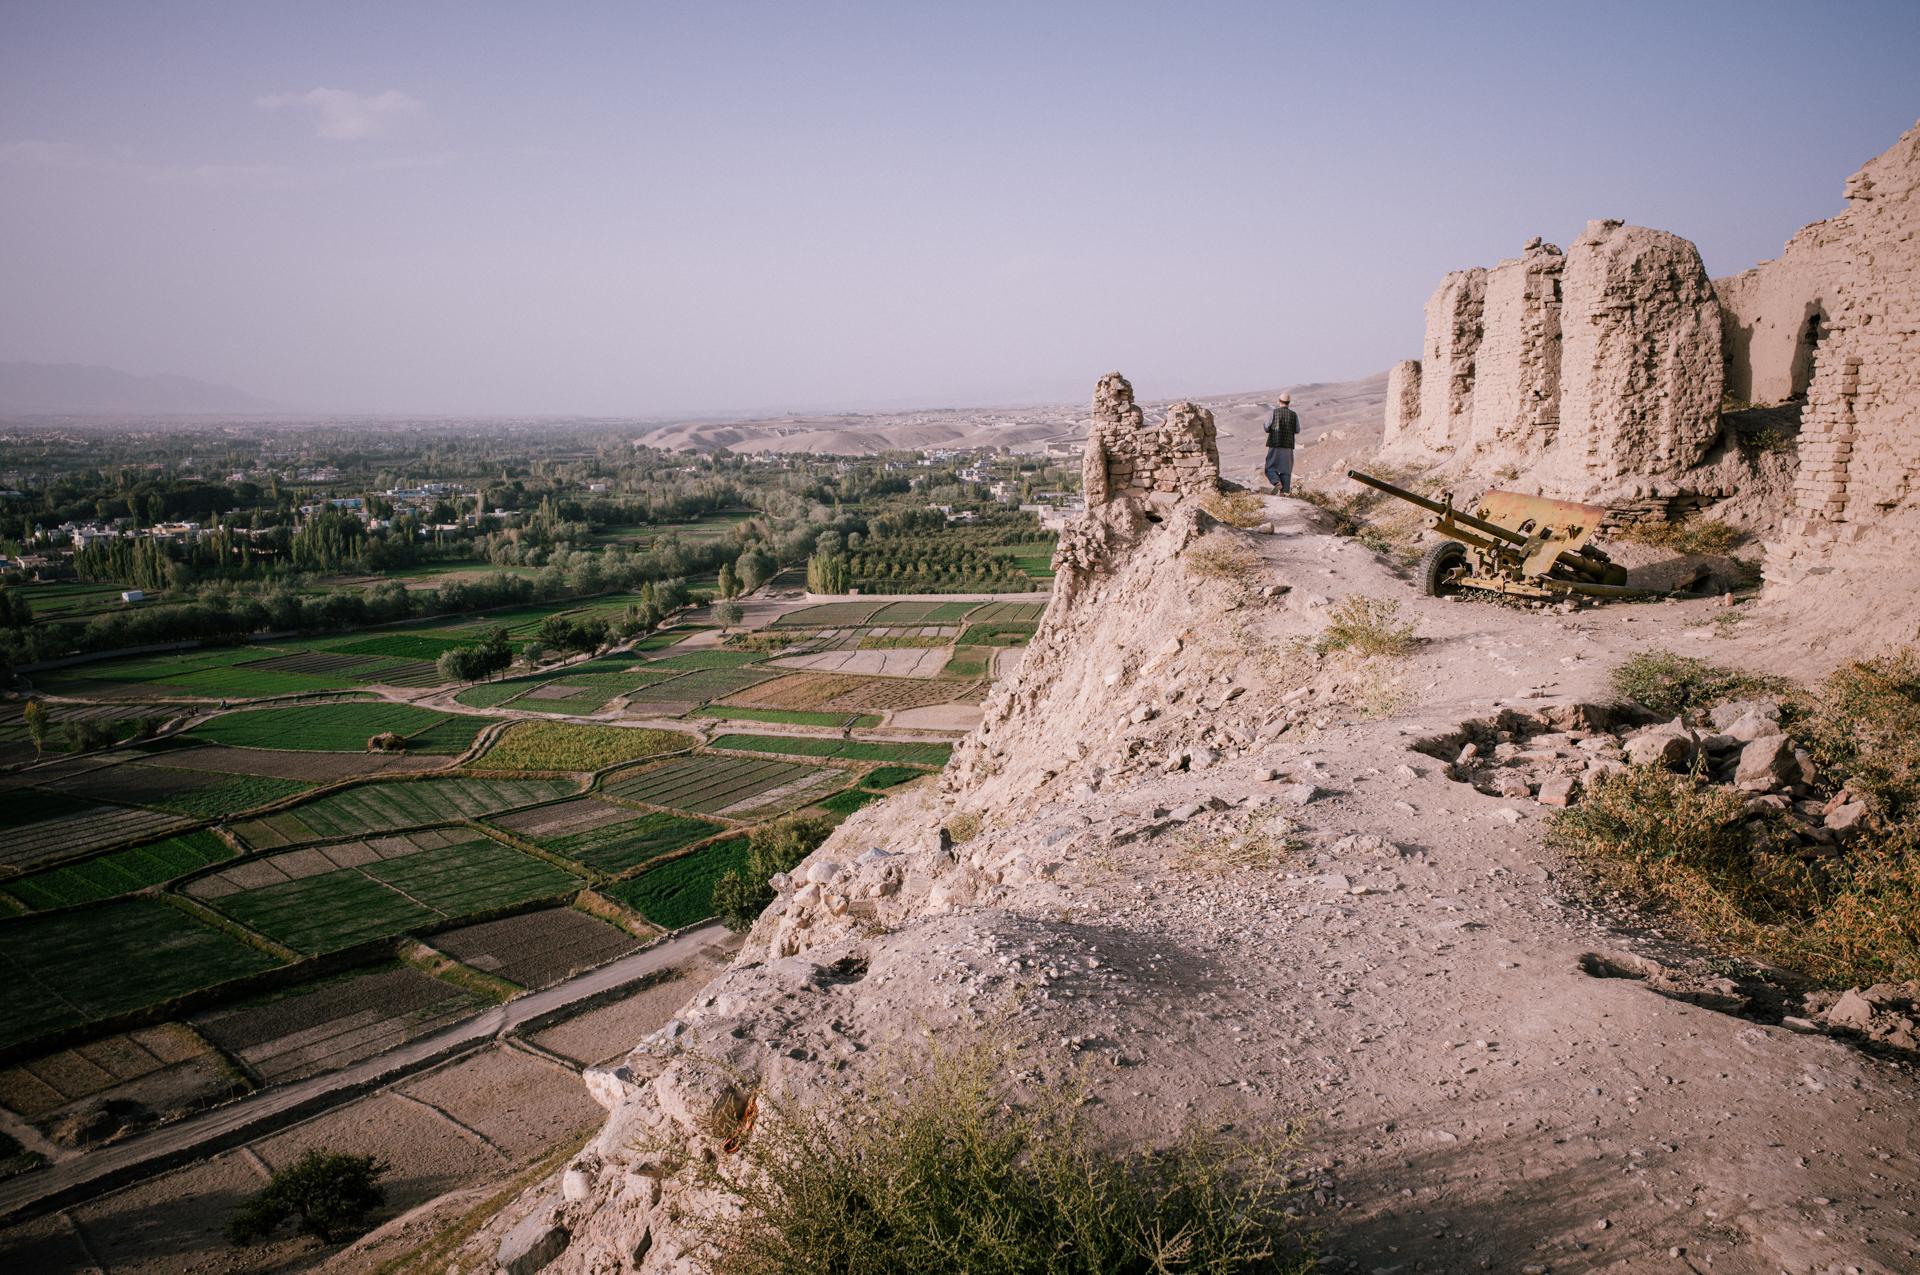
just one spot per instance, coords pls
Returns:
(1585, 567)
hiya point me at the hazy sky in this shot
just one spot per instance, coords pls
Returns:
(665, 208)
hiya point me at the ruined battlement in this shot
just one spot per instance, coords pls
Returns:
(1124, 458)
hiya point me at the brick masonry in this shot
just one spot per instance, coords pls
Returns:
(1124, 458)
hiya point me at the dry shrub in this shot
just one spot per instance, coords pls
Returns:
(1692, 535)
(1260, 844)
(1367, 626)
(1866, 728)
(1221, 557)
(945, 1171)
(1240, 509)
(964, 827)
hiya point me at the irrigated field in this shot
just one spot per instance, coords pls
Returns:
(340, 728)
(331, 910)
(384, 807)
(73, 967)
(680, 892)
(850, 749)
(785, 716)
(536, 949)
(615, 847)
(41, 827)
(733, 786)
(828, 615)
(567, 746)
(121, 872)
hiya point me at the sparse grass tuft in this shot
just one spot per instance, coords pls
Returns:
(944, 1171)
(1866, 728)
(1258, 845)
(1671, 684)
(1367, 626)
(1240, 509)
(1222, 557)
(1692, 535)
(963, 827)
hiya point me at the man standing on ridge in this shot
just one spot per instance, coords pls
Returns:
(1282, 428)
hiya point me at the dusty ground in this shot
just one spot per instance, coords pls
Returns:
(1312, 924)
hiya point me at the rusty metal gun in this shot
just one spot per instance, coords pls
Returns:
(1522, 546)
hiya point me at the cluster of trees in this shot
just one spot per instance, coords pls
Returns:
(741, 895)
(471, 663)
(79, 735)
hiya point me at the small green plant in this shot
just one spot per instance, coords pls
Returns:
(1866, 729)
(946, 1171)
(1671, 684)
(742, 894)
(1367, 626)
(328, 1193)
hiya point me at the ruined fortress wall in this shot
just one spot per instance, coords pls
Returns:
(1447, 361)
(1640, 377)
(1516, 376)
(1403, 404)
(1124, 458)
(1772, 319)
(1859, 477)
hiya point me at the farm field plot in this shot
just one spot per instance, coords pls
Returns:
(568, 746)
(145, 668)
(998, 633)
(727, 785)
(340, 727)
(848, 749)
(845, 803)
(537, 949)
(316, 662)
(237, 682)
(680, 891)
(795, 690)
(829, 615)
(490, 694)
(1035, 557)
(331, 910)
(66, 828)
(73, 967)
(324, 1026)
(297, 865)
(615, 847)
(918, 612)
(1008, 612)
(121, 872)
(166, 1069)
(710, 683)
(891, 776)
(911, 662)
(406, 646)
(563, 700)
(386, 807)
(199, 793)
(785, 716)
(187, 754)
(886, 694)
(711, 658)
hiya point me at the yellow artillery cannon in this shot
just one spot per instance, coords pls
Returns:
(1522, 546)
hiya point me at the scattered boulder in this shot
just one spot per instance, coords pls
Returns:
(1671, 746)
(1558, 790)
(1766, 764)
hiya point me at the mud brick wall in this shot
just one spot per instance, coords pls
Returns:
(1454, 313)
(1516, 370)
(1124, 458)
(1640, 375)
(1403, 405)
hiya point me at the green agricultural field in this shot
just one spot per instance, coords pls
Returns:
(492, 694)
(1010, 612)
(998, 633)
(890, 776)
(616, 847)
(121, 872)
(968, 663)
(829, 615)
(707, 659)
(845, 803)
(392, 805)
(709, 785)
(406, 646)
(341, 728)
(680, 891)
(230, 795)
(337, 909)
(1034, 557)
(73, 967)
(32, 805)
(568, 746)
(786, 716)
(713, 683)
(849, 749)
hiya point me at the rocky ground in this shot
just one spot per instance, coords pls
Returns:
(1241, 885)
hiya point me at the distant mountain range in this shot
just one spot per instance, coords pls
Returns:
(79, 389)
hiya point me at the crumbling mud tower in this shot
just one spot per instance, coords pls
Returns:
(1516, 376)
(1157, 467)
(1403, 405)
(1640, 363)
(1447, 359)
(1848, 291)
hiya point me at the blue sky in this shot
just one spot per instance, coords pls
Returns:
(646, 209)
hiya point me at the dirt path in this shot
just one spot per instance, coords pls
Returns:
(198, 1136)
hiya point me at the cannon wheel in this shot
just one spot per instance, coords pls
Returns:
(1438, 566)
